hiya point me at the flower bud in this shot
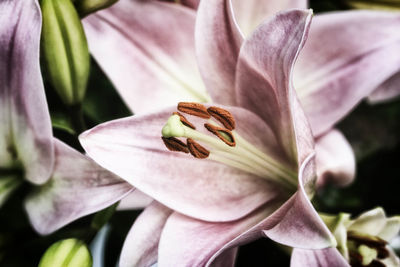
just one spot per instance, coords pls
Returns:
(65, 53)
(67, 253)
(86, 7)
(391, 5)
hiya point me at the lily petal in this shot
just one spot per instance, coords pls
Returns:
(346, 57)
(218, 41)
(387, 91)
(295, 223)
(263, 79)
(250, 13)
(72, 192)
(391, 229)
(135, 200)
(164, 70)
(190, 3)
(317, 258)
(392, 260)
(141, 244)
(189, 242)
(335, 159)
(25, 132)
(227, 259)
(371, 222)
(200, 188)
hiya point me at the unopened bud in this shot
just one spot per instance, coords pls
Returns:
(86, 7)
(67, 253)
(373, 4)
(65, 53)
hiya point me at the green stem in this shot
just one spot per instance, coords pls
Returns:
(77, 120)
(103, 216)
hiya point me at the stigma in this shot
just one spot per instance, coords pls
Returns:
(219, 141)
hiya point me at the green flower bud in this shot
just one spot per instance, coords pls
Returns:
(65, 53)
(86, 7)
(388, 5)
(67, 253)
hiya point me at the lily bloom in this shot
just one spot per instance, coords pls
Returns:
(67, 185)
(347, 56)
(251, 167)
(332, 39)
(361, 242)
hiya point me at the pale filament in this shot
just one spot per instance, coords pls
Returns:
(242, 155)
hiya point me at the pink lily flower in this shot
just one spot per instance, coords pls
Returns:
(363, 241)
(67, 185)
(251, 13)
(348, 56)
(254, 178)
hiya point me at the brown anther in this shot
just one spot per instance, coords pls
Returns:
(184, 120)
(223, 116)
(375, 263)
(197, 150)
(355, 259)
(383, 252)
(370, 241)
(174, 144)
(224, 134)
(195, 109)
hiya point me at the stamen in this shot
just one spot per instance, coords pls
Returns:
(195, 109)
(355, 258)
(383, 253)
(229, 148)
(184, 120)
(223, 116)
(197, 150)
(174, 144)
(371, 241)
(225, 135)
(376, 263)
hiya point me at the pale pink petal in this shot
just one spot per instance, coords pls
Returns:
(263, 79)
(189, 242)
(336, 162)
(77, 187)
(227, 259)
(132, 148)
(218, 41)
(147, 50)
(201, 243)
(346, 57)
(190, 3)
(135, 200)
(251, 13)
(297, 223)
(317, 258)
(141, 244)
(389, 90)
(25, 132)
